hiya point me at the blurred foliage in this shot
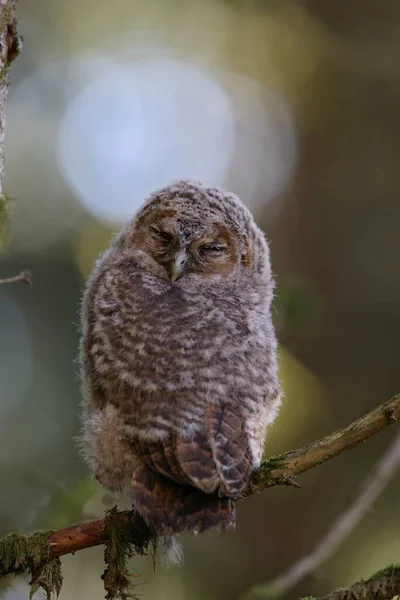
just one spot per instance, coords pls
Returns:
(69, 507)
(304, 405)
(298, 307)
(90, 244)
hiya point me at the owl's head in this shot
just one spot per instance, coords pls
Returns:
(186, 230)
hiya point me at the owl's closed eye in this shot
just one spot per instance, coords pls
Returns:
(182, 246)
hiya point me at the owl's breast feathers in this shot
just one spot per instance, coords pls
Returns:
(188, 379)
(157, 337)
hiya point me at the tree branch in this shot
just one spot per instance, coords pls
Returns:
(282, 470)
(383, 585)
(133, 533)
(278, 470)
(93, 533)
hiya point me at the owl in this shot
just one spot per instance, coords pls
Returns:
(178, 358)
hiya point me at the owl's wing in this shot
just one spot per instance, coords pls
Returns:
(216, 459)
(230, 447)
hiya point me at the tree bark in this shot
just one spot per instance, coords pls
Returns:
(9, 49)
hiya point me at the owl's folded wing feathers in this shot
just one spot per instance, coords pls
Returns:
(215, 460)
(188, 483)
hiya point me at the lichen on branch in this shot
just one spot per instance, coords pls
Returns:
(383, 585)
(20, 553)
(119, 548)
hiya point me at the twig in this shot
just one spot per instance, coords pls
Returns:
(23, 277)
(384, 470)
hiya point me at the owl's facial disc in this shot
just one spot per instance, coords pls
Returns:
(183, 245)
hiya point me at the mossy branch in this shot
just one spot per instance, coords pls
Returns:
(125, 534)
(283, 469)
(383, 585)
(20, 553)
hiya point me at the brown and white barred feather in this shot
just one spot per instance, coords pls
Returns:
(180, 380)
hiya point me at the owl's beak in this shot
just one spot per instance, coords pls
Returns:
(177, 266)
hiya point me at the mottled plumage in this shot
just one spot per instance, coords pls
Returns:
(178, 358)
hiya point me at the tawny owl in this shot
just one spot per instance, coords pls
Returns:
(178, 358)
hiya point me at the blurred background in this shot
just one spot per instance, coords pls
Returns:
(293, 105)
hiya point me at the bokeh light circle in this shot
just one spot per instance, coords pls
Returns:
(131, 130)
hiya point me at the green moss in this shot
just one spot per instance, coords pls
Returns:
(125, 536)
(119, 549)
(382, 585)
(48, 577)
(20, 553)
(264, 476)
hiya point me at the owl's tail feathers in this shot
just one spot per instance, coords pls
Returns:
(170, 508)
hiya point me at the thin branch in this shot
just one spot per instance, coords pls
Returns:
(94, 533)
(383, 472)
(282, 470)
(23, 277)
(275, 471)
